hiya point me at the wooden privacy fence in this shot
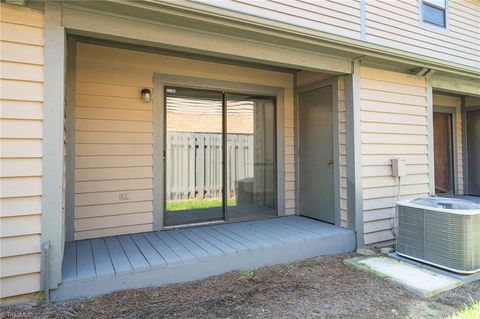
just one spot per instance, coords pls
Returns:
(194, 164)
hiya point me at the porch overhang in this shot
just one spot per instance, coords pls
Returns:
(160, 29)
(455, 85)
(290, 46)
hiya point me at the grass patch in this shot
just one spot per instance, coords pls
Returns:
(471, 311)
(251, 274)
(189, 204)
(307, 264)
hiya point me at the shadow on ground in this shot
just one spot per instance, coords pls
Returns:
(321, 287)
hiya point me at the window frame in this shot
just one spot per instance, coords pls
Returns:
(164, 80)
(431, 26)
(224, 154)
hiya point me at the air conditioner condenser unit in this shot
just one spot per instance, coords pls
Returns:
(441, 231)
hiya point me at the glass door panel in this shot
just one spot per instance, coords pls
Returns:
(251, 154)
(194, 156)
(443, 152)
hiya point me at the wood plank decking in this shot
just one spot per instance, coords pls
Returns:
(102, 265)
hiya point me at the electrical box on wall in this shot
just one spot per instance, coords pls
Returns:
(398, 167)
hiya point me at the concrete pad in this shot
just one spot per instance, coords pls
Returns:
(465, 278)
(423, 282)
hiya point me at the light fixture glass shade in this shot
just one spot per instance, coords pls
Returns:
(146, 95)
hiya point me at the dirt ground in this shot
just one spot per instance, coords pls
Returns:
(322, 287)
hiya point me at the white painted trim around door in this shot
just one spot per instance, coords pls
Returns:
(333, 82)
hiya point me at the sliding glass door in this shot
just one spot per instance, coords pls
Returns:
(251, 172)
(194, 156)
(220, 156)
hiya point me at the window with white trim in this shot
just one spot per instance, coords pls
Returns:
(434, 12)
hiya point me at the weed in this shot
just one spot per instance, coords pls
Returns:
(470, 311)
(265, 311)
(251, 274)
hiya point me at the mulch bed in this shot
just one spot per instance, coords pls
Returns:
(321, 287)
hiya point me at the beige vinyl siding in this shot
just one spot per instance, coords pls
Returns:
(393, 24)
(397, 24)
(342, 152)
(21, 97)
(455, 102)
(113, 149)
(289, 145)
(114, 134)
(337, 17)
(393, 125)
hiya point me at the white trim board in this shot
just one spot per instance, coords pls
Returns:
(53, 229)
(354, 151)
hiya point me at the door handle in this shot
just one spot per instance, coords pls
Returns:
(330, 162)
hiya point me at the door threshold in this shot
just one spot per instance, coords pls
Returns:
(215, 222)
(318, 219)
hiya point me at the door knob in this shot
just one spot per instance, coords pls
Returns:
(330, 162)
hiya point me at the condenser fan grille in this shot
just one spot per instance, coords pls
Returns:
(448, 240)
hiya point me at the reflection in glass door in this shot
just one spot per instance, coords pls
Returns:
(204, 130)
(194, 156)
(251, 172)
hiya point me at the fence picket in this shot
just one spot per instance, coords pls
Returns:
(194, 164)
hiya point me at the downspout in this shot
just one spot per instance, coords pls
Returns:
(46, 270)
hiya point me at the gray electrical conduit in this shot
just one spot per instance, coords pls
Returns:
(46, 270)
(394, 222)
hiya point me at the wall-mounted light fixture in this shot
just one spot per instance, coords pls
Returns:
(146, 95)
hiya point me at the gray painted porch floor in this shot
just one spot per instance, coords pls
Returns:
(102, 265)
